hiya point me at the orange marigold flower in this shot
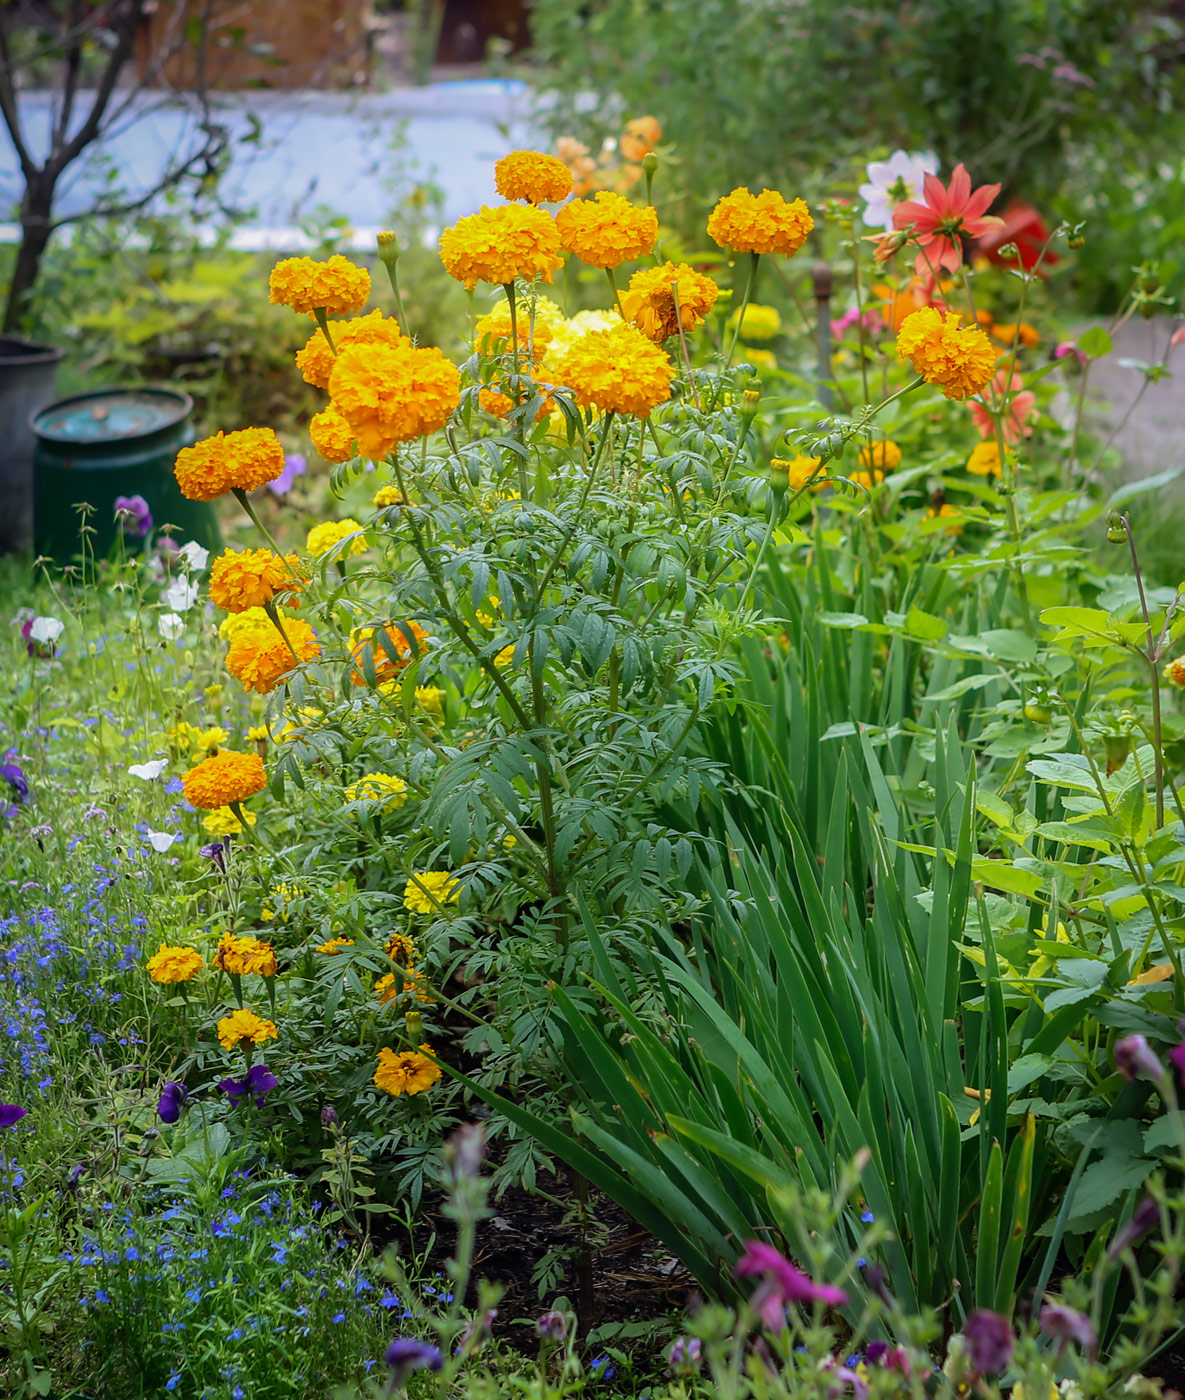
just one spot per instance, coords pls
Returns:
(260, 658)
(1174, 672)
(386, 668)
(501, 245)
(390, 988)
(335, 945)
(617, 371)
(174, 964)
(640, 137)
(405, 1072)
(760, 223)
(248, 578)
(649, 302)
(242, 461)
(389, 394)
(332, 436)
(401, 949)
(500, 405)
(493, 334)
(959, 361)
(243, 1025)
(223, 778)
(952, 514)
(607, 230)
(337, 286)
(533, 176)
(315, 361)
(242, 956)
(886, 455)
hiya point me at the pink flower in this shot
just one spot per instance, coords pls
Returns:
(1022, 408)
(1068, 350)
(782, 1283)
(949, 213)
(871, 317)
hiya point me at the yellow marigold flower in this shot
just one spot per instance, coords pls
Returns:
(866, 479)
(322, 538)
(224, 778)
(315, 361)
(640, 138)
(494, 334)
(759, 358)
(533, 176)
(389, 394)
(169, 965)
(245, 955)
(245, 621)
(180, 735)
(960, 362)
(242, 461)
(223, 822)
(385, 668)
(618, 371)
(758, 323)
(984, 459)
(248, 578)
(886, 455)
(607, 230)
(337, 286)
(208, 740)
(258, 734)
(386, 788)
(1174, 672)
(389, 988)
(243, 1025)
(332, 436)
(430, 698)
(799, 470)
(501, 245)
(760, 223)
(568, 332)
(950, 513)
(504, 657)
(405, 1072)
(260, 658)
(388, 496)
(335, 945)
(401, 949)
(650, 300)
(428, 889)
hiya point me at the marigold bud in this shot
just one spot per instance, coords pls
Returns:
(649, 162)
(388, 247)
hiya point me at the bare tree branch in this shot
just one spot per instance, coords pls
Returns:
(89, 129)
(8, 105)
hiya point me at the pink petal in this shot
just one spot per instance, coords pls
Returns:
(934, 193)
(909, 212)
(978, 203)
(960, 188)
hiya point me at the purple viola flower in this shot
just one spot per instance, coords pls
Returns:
(10, 1114)
(294, 465)
(685, 1354)
(1134, 1056)
(1176, 1055)
(406, 1354)
(1145, 1217)
(329, 1118)
(781, 1283)
(172, 1101)
(552, 1326)
(989, 1341)
(258, 1081)
(14, 776)
(133, 515)
(1065, 1324)
(891, 1358)
(215, 851)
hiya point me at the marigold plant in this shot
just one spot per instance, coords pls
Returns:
(959, 360)
(760, 223)
(244, 955)
(660, 299)
(169, 964)
(405, 1071)
(532, 176)
(223, 778)
(324, 536)
(248, 578)
(260, 658)
(315, 360)
(244, 1027)
(332, 436)
(501, 245)
(389, 394)
(386, 665)
(337, 286)
(618, 371)
(242, 461)
(607, 230)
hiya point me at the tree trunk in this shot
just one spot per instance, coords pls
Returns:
(35, 234)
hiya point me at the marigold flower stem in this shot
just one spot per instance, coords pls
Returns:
(269, 607)
(683, 343)
(400, 313)
(578, 515)
(616, 293)
(750, 282)
(241, 496)
(323, 321)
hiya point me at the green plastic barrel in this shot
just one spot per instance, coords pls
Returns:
(96, 447)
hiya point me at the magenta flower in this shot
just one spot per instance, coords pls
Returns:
(133, 516)
(1134, 1057)
(1067, 350)
(782, 1283)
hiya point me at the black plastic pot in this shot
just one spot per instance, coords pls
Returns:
(28, 373)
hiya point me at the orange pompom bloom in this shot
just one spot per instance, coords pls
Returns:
(306, 285)
(607, 230)
(332, 436)
(960, 362)
(248, 578)
(760, 223)
(640, 137)
(533, 176)
(242, 461)
(649, 303)
(500, 405)
(386, 667)
(242, 956)
(389, 394)
(500, 245)
(617, 371)
(243, 1025)
(260, 658)
(223, 778)
(315, 361)
(169, 964)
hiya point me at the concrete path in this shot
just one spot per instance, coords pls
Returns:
(1151, 433)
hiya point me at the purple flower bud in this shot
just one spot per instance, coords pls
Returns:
(552, 1326)
(1068, 1325)
(1177, 1056)
(685, 1354)
(989, 1341)
(329, 1118)
(10, 1114)
(406, 1354)
(172, 1101)
(216, 852)
(782, 1283)
(1145, 1217)
(133, 516)
(1134, 1057)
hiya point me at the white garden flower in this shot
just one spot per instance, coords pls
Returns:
(892, 181)
(180, 595)
(194, 555)
(149, 771)
(160, 841)
(46, 629)
(170, 625)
